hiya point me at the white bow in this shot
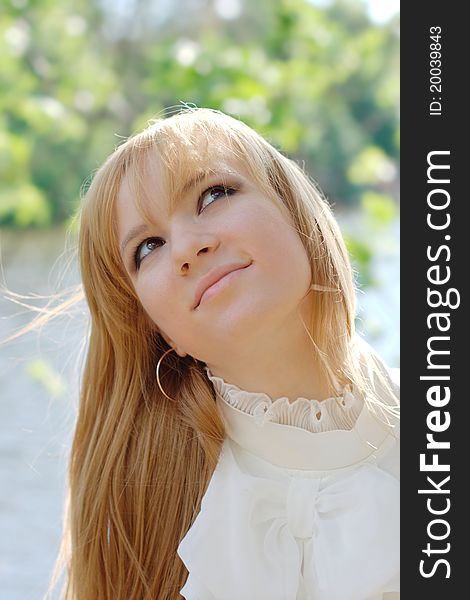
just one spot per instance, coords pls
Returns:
(293, 538)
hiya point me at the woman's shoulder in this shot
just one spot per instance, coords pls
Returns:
(394, 373)
(381, 377)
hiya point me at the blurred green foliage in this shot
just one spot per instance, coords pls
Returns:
(44, 373)
(77, 76)
(376, 215)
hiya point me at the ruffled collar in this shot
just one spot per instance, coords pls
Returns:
(313, 415)
(304, 434)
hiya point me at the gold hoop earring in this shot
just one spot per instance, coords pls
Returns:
(157, 373)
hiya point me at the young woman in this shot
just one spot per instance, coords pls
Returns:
(236, 440)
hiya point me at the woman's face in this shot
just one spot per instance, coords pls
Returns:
(221, 223)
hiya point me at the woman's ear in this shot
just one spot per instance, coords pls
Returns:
(171, 343)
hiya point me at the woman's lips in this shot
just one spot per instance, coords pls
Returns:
(215, 280)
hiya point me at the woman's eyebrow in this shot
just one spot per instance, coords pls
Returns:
(133, 233)
(198, 178)
(191, 183)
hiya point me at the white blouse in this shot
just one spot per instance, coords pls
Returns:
(303, 503)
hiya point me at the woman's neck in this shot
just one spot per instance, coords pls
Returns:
(284, 366)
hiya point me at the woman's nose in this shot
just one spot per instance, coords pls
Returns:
(190, 247)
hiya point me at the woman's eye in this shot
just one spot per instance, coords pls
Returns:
(146, 248)
(212, 194)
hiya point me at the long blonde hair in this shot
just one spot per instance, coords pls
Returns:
(140, 462)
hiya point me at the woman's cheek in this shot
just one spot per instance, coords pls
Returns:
(152, 296)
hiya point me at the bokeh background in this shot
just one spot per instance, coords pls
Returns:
(319, 79)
